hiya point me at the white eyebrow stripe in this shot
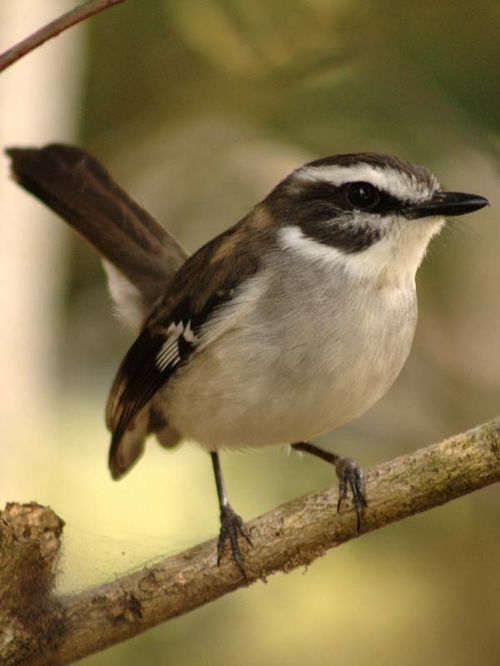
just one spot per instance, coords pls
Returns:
(399, 184)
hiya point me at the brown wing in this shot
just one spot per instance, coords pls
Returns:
(204, 284)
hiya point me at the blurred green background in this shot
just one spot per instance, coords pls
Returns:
(198, 108)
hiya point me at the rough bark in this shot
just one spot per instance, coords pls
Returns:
(31, 620)
(36, 627)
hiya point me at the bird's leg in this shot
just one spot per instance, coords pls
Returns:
(349, 474)
(231, 525)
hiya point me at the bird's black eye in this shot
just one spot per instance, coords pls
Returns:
(362, 196)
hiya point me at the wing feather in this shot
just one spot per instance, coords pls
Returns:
(178, 327)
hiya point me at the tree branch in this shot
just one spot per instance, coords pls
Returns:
(290, 536)
(53, 29)
(30, 616)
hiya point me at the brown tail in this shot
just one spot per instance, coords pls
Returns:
(79, 189)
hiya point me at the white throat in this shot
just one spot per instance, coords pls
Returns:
(390, 262)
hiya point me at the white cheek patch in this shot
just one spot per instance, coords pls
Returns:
(391, 261)
(401, 185)
(293, 238)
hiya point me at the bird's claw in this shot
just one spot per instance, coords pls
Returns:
(231, 528)
(351, 477)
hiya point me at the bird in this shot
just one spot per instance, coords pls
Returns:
(287, 325)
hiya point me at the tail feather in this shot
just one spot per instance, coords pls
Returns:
(79, 189)
(139, 256)
(127, 446)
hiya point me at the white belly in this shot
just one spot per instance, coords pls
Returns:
(262, 384)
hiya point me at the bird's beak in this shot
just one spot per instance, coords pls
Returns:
(447, 203)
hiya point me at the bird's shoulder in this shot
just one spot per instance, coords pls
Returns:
(179, 324)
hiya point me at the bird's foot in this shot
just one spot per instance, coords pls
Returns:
(231, 528)
(349, 474)
(351, 477)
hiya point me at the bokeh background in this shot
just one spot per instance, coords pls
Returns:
(198, 108)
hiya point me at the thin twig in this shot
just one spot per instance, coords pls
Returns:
(53, 29)
(290, 536)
